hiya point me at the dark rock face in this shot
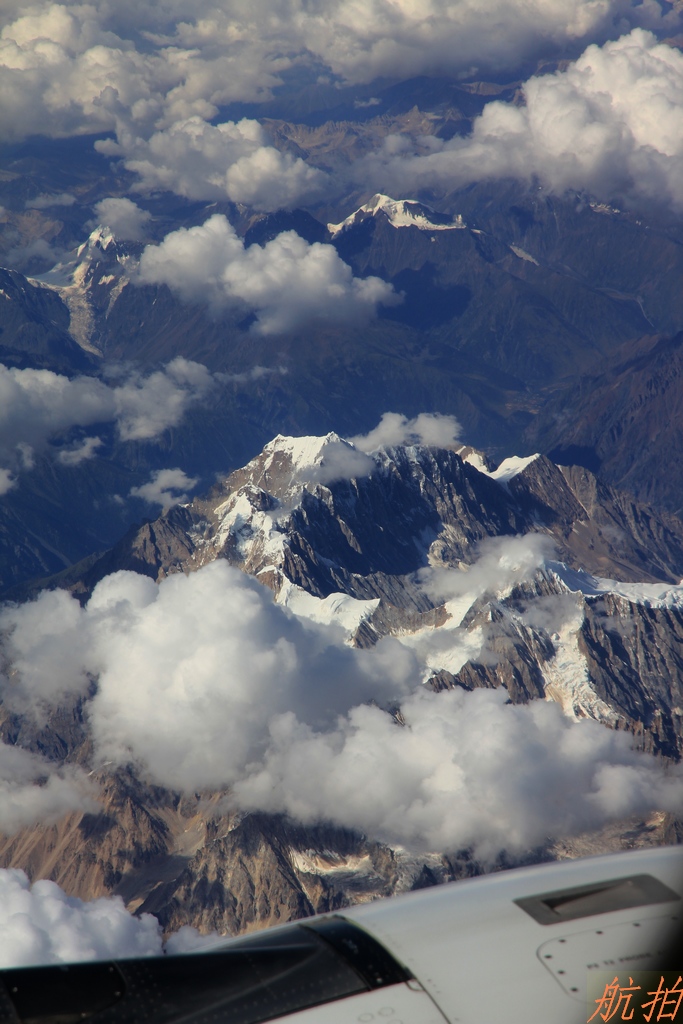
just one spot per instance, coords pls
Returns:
(635, 660)
(625, 421)
(34, 328)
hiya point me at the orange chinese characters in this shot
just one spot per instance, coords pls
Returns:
(616, 997)
(666, 1001)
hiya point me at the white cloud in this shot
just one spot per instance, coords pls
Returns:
(287, 282)
(42, 925)
(165, 488)
(611, 123)
(38, 405)
(75, 67)
(157, 76)
(204, 682)
(339, 461)
(407, 38)
(190, 671)
(44, 201)
(427, 428)
(501, 563)
(190, 685)
(146, 406)
(203, 161)
(33, 789)
(465, 771)
(80, 452)
(125, 218)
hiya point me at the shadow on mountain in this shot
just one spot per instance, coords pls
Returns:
(576, 455)
(426, 304)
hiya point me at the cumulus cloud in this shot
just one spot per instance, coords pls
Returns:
(428, 428)
(441, 36)
(74, 67)
(286, 283)
(165, 488)
(33, 789)
(146, 406)
(610, 123)
(501, 563)
(156, 77)
(190, 671)
(203, 681)
(203, 161)
(39, 405)
(126, 219)
(64, 70)
(42, 925)
(466, 770)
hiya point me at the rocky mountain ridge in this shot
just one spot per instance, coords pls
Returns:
(408, 506)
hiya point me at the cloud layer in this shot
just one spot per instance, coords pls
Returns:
(286, 283)
(611, 124)
(190, 671)
(465, 771)
(73, 67)
(37, 406)
(204, 682)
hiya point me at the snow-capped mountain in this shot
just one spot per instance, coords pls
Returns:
(319, 511)
(400, 213)
(90, 282)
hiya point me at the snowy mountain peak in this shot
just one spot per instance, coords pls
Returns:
(400, 213)
(304, 452)
(101, 238)
(90, 280)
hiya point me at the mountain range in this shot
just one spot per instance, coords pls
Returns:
(341, 549)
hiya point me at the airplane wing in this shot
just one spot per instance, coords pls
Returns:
(519, 946)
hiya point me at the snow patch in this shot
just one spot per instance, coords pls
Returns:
(652, 595)
(248, 527)
(303, 452)
(511, 467)
(604, 208)
(524, 255)
(335, 609)
(566, 677)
